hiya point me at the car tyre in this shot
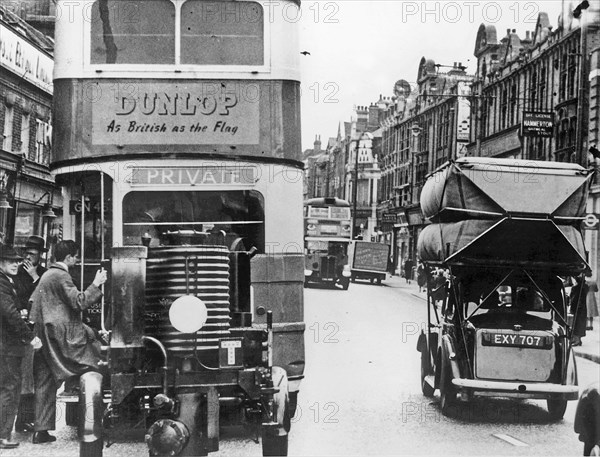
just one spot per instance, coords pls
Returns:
(556, 408)
(427, 390)
(447, 391)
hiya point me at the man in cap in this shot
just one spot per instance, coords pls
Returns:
(26, 281)
(15, 337)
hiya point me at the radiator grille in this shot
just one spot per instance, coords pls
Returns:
(328, 267)
(202, 271)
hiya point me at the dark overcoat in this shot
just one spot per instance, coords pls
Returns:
(69, 346)
(15, 335)
(25, 286)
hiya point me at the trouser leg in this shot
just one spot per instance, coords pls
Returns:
(10, 391)
(26, 412)
(25, 415)
(45, 394)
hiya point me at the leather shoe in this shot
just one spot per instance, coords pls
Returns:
(23, 427)
(8, 444)
(42, 437)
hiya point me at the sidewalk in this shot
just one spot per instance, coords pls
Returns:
(589, 349)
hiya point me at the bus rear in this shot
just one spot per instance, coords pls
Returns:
(327, 231)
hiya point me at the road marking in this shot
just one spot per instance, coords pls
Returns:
(510, 439)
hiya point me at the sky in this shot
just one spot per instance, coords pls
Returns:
(360, 48)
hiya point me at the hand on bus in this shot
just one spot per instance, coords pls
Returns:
(36, 343)
(100, 277)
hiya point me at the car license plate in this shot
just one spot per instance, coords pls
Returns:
(516, 340)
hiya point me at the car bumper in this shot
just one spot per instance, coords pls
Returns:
(541, 390)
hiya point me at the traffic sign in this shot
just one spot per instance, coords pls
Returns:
(591, 221)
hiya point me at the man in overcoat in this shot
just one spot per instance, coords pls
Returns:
(15, 337)
(70, 347)
(26, 280)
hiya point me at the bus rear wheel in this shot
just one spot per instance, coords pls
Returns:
(345, 283)
(91, 449)
(275, 440)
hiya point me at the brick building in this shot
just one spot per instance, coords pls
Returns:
(549, 74)
(427, 125)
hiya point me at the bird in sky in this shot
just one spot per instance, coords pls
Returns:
(305, 53)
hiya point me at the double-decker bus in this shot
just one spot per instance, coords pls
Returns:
(177, 150)
(327, 234)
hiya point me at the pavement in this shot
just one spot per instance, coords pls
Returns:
(590, 344)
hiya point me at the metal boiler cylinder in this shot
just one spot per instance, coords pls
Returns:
(175, 271)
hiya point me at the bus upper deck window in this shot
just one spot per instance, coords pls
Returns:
(133, 32)
(222, 33)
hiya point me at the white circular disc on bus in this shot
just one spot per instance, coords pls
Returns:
(188, 314)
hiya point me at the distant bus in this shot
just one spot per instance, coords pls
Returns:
(327, 233)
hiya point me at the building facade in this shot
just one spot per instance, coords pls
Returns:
(26, 187)
(549, 75)
(427, 125)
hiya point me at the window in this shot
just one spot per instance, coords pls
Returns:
(8, 128)
(144, 32)
(42, 142)
(484, 117)
(542, 88)
(514, 104)
(27, 222)
(25, 129)
(504, 109)
(221, 33)
(203, 214)
(133, 32)
(562, 134)
(562, 87)
(533, 85)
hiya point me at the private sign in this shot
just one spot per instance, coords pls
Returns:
(191, 176)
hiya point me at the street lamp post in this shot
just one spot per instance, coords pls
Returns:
(416, 131)
(355, 189)
(581, 154)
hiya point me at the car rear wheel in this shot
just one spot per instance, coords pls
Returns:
(447, 392)
(556, 408)
(426, 388)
